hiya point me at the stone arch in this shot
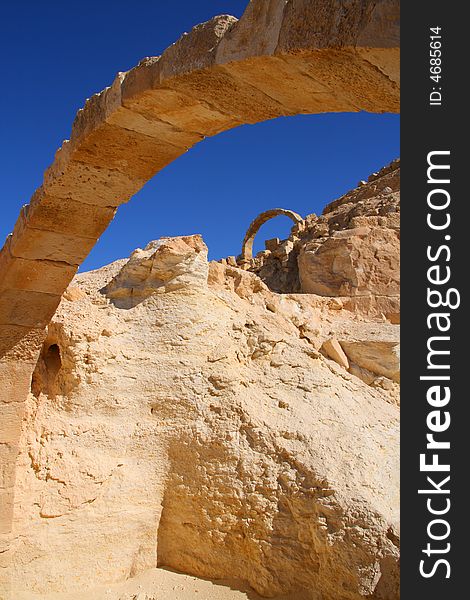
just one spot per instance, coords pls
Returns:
(247, 246)
(283, 57)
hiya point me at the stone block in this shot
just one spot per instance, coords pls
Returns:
(288, 85)
(64, 215)
(67, 216)
(27, 308)
(272, 244)
(362, 231)
(195, 50)
(382, 29)
(96, 110)
(35, 275)
(37, 244)
(19, 343)
(15, 380)
(107, 107)
(332, 348)
(67, 178)
(228, 95)
(142, 78)
(386, 60)
(350, 78)
(308, 25)
(255, 34)
(129, 152)
(154, 127)
(379, 357)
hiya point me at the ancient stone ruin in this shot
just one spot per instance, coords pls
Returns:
(229, 421)
(247, 247)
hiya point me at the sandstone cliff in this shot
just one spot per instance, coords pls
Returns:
(184, 415)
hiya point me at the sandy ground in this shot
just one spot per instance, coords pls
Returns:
(158, 584)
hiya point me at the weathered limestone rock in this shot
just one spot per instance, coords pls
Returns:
(164, 265)
(37, 275)
(327, 59)
(272, 244)
(360, 254)
(196, 50)
(181, 416)
(31, 243)
(88, 184)
(166, 387)
(332, 348)
(257, 32)
(356, 262)
(352, 251)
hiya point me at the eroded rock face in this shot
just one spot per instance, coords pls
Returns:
(360, 255)
(200, 428)
(352, 262)
(164, 265)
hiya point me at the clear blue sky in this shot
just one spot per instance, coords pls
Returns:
(56, 54)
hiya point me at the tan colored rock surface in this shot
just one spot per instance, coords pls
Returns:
(157, 584)
(358, 252)
(185, 408)
(193, 424)
(165, 265)
(356, 263)
(381, 358)
(352, 251)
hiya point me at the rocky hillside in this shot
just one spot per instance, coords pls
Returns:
(187, 415)
(351, 251)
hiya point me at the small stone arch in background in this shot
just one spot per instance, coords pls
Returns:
(247, 246)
